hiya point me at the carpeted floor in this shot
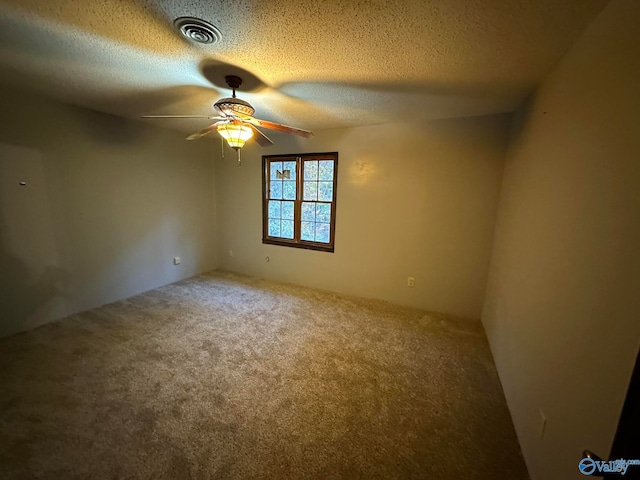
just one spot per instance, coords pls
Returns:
(230, 377)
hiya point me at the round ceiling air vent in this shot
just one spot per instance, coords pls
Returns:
(197, 30)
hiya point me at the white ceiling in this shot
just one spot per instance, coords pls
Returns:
(312, 64)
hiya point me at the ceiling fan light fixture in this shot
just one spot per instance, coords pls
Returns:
(235, 134)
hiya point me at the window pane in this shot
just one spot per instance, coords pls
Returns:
(287, 229)
(311, 170)
(308, 212)
(289, 190)
(274, 227)
(310, 191)
(287, 210)
(275, 166)
(322, 232)
(323, 212)
(307, 231)
(276, 189)
(325, 170)
(325, 191)
(274, 209)
(291, 166)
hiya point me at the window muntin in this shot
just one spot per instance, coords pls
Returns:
(299, 200)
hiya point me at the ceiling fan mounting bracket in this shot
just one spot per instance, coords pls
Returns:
(234, 82)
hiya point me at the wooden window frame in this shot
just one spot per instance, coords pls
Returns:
(296, 242)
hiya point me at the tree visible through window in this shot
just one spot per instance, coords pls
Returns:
(299, 200)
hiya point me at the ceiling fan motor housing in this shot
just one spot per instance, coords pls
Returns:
(230, 105)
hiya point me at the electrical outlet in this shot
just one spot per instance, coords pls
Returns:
(543, 423)
(411, 282)
(176, 260)
(231, 253)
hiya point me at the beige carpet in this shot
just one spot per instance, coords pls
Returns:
(230, 377)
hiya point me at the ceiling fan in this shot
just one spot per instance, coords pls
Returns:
(235, 121)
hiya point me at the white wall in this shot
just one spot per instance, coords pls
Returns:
(107, 204)
(563, 302)
(413, 200)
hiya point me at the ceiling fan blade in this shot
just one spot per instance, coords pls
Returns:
(203, 132)
(274, 126)
(261, 138)
(180, 116)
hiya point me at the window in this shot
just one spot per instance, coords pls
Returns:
(299, 200)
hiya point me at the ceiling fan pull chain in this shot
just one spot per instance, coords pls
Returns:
(239, 159)
(222, 146)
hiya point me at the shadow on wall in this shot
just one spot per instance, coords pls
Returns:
(29, 280)
(105, 129)
(24, 298)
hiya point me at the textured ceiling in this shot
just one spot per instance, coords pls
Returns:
(312, 64)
